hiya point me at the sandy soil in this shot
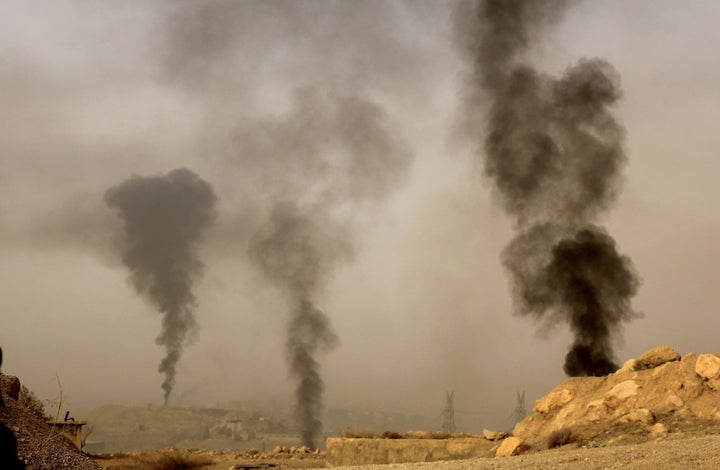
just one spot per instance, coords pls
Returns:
(677, 451)
(680, 450)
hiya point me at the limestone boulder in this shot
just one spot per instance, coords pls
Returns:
(510, 446)
(622, 391)
(553, 401)
(659, 430)
(494, 435)
(640, 415)
(656, 357)
(707, 366)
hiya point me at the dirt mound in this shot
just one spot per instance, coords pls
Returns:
(649, 397)
(39, 446)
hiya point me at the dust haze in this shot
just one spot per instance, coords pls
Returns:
(345, 120)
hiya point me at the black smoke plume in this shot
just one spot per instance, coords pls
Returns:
(554, 152)
(165, 218)
(293, 252)
(331, 156)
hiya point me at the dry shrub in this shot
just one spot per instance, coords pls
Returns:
(560, 437)
(392, 435)
(360, 434)
(178, 461)
(31, 402)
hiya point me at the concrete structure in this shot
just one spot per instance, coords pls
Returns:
(347, 451)
(70, 429)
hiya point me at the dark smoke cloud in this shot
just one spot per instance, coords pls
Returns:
(165, 219)
(554, 153)
(296, 251)
(330, 157)
(325, 158)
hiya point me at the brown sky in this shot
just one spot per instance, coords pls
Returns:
(94, 92)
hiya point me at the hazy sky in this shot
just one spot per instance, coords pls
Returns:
(94, 92)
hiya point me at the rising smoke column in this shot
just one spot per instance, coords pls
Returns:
(334, 156)
(165, 219)
(554, 153)
(294, 252)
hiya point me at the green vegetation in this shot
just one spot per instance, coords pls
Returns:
(32, 403)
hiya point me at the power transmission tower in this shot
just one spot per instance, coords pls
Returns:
(449, 413)
(520, 411)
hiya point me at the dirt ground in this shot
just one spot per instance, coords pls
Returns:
(681, 451)
(692, 450)
(214, 459)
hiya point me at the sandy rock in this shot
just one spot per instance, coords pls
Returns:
(510, 446)
(708, 366)
(675, 401)
(714, 384)
(658, 430)
(622, 391)
(689, 357)
(553, 401)
(628, 366)
(597, 410)
(494, 435)
(640, 415)
(656, 357)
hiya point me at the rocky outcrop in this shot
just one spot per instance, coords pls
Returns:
(646, 396)
(656, 357)
(10, 386)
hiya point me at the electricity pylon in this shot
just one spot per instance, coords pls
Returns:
(449, 413)
(520, 411)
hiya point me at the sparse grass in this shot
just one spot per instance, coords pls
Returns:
(560, 437)
(31, 402)
(177, 461)
(360, 434)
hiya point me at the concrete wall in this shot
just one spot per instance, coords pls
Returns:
(345, 451)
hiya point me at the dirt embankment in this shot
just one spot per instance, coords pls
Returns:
(39, 445)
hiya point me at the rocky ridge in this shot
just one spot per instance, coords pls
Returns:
(648, 398)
